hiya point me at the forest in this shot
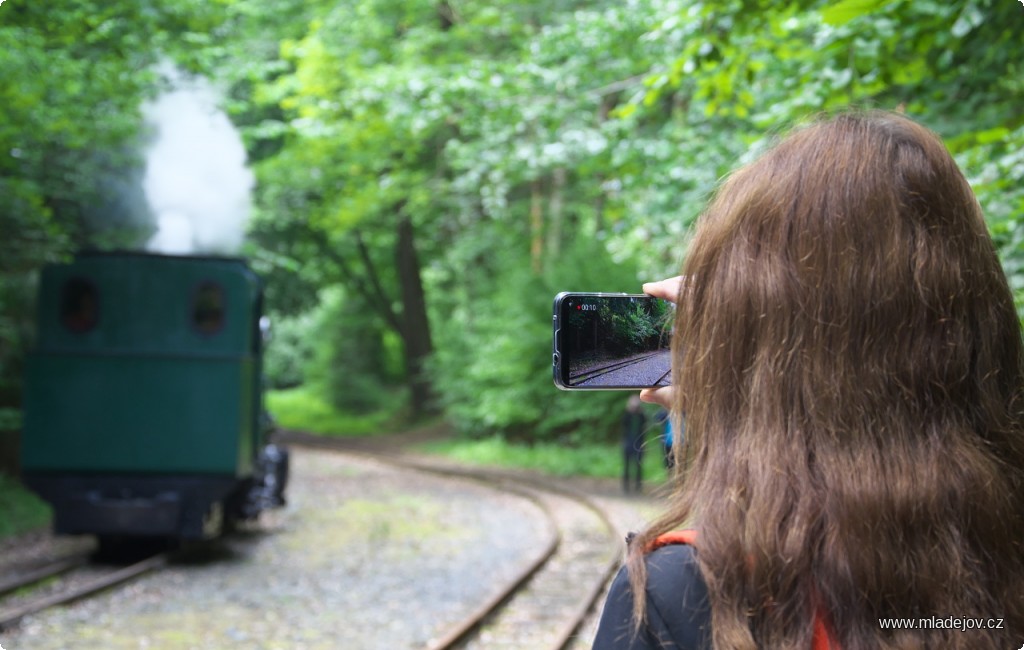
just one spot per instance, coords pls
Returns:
(416, 179)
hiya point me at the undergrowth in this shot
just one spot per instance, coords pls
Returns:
(22, 510)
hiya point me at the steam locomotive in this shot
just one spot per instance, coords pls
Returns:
(143, 398)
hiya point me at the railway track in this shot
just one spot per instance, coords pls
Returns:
(593, 373)
(40, 571)
(64, 580)
(543, 606)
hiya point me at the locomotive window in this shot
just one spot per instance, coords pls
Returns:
(208, 308)
(79, 305)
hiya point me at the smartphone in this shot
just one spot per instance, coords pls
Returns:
(611, 341)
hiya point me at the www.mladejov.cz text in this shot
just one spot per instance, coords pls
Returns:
(941, 623)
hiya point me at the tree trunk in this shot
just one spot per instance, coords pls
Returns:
(415, 332)
(555, 214)
(536, 227)
(446, 15)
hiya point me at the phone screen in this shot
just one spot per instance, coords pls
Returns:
(611, 341)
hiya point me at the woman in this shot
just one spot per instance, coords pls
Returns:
(850, 362)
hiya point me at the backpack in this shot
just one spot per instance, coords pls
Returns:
(822, 637)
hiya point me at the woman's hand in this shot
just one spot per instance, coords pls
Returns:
(668, 290)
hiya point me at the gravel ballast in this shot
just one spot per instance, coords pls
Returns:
(364, 556)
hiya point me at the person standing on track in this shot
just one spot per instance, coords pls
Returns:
(663, 418)
(633, 423)
(850, 361)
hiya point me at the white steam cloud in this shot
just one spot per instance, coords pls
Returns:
(196, 181)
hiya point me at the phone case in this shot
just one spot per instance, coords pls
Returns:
(607, 361)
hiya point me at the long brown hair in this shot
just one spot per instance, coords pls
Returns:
(849, 359)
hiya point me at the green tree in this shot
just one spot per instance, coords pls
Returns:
(746, 69)
(444, 168)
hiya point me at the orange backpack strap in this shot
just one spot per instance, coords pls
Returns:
(688, 537)
(822, 636)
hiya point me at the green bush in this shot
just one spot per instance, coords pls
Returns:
(492, 367)
(599, 460)
(302, 409)
(22, 510)
(354, 362)
(290, 350)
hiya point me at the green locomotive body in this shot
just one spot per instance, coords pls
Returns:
(143, 397)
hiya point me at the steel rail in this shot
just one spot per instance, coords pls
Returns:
(10, 617)
(462, 631)
(45, 570)
(662, 378)
(589, 600)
